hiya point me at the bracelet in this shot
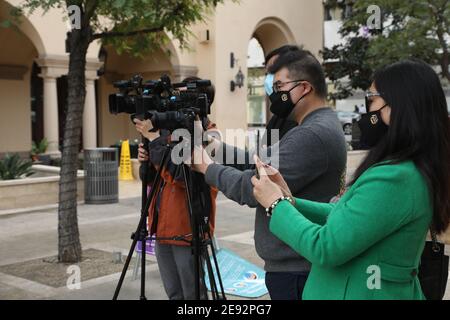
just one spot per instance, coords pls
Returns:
(275, 203)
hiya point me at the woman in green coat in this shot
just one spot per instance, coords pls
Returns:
(368, 245)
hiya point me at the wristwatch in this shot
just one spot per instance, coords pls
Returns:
(276, 202)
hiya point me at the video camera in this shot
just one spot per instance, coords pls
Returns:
(168, 106)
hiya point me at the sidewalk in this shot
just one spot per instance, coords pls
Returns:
(28, 236)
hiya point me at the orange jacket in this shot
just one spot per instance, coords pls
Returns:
(173, 216)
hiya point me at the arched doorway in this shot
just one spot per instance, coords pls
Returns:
(37, 104)
(112, 128)
(270, 33)
(256, 116)
(21, 102)
(273, 33)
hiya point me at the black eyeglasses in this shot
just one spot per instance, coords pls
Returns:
(278, 84)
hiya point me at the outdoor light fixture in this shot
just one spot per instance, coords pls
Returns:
(233, 60)
(238, 81)
(239, 78)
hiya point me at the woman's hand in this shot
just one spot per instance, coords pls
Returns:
(274, 175)
(144, 127)
(142, 153)
(265, 190)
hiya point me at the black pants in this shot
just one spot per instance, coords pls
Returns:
(286, 285)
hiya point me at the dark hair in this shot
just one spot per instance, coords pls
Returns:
(418, 130)
(303, 65)
(280, 51)
(210, 91)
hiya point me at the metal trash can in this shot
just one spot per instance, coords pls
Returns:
(101, 181)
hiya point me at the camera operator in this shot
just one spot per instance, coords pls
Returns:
(173, 253)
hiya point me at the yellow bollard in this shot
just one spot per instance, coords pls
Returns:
(125, 173)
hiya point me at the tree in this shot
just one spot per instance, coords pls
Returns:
(417, 29)
(136, 26)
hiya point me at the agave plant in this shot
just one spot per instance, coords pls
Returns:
(12, 167)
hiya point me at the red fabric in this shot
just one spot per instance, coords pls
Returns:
(173, 217)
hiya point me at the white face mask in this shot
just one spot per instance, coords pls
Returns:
(268, 84)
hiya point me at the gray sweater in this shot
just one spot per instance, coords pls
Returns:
(312, 159)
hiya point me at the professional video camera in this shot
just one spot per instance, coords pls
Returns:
(169, 106)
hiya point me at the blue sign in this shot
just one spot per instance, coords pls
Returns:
(239, 277)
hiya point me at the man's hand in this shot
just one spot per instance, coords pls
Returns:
(274, 175)
(144, 127)
(142, 153)
(200, 160)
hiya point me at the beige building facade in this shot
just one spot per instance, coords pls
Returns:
(33, 65)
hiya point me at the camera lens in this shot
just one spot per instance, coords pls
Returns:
(118, 103)
(113, 103)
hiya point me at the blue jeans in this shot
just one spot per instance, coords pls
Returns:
(286, 285)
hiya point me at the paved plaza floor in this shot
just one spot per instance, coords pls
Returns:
(33, 235)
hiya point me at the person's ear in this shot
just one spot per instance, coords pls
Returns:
(307, 88)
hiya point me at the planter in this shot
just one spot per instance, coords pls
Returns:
(44, 159)
(41, 189)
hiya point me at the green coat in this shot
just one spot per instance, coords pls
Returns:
(377, 228)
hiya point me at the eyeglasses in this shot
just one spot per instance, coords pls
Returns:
(368, 98)
(370, 94)
(278, 84)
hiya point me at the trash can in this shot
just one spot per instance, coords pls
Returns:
(101, 183)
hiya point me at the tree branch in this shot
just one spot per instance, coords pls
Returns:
(111, 34)
(438, 15)
(90, 8)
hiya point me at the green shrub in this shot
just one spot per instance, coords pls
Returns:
(12, 167)
(39, 148)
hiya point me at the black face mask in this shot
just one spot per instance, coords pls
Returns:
(372, 127)
(282, 104)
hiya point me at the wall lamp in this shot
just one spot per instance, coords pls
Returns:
(238, 81)
(239, 78)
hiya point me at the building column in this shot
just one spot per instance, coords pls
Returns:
(52, 67)
(90, 106)
(90, 117)
(51, 123)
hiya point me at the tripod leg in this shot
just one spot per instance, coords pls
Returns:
(130, 254)
(195, 236)
(216, 265)
(143, 254)
(212, 279)
(198, 236)
(142, 229)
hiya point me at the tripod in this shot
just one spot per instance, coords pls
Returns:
(200, 230)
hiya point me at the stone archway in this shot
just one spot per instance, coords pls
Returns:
(112, 128)
(270, 33)
(21, 107)
(25, 26)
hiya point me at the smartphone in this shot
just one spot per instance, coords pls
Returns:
(256, 167)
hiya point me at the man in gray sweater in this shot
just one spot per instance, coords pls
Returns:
(311, 158)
